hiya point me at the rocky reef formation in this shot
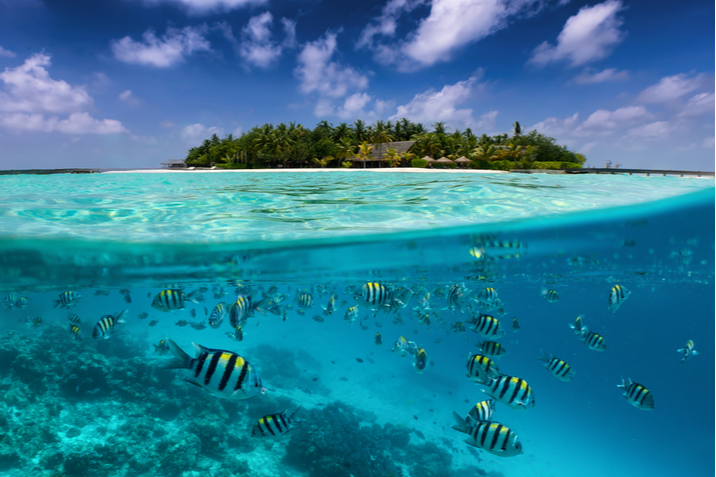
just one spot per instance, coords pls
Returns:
(103, 409)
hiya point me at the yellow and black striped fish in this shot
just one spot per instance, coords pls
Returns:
(594, 340)
(351, 314)
(242, 309)
(217, 315)
(551, 295)
(373, 295)
(557, 367)
(578, 325)
(274, 425)
(492, 437)
(421, 360)
(511, 391)
(492, 348)
(488, 326)
(456, 296)
(303, 299)
(75, 332)
(67, 299)
(175, 299)
(74, 319)
(106, 326)
(162, 347)
(35, 322)
(617, 295)
(487, 296)
(480, 368)
(688, 351)
(637, 395)
(482, 411)
(222, 373)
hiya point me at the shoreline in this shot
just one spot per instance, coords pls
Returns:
(384, 169)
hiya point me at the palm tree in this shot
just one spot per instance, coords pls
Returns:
(360, 130)
(392, 156)
(517, 129)
(344, 149)
(364, 150)
(440, 128)
(381, 135)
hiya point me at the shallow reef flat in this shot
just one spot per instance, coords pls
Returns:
(100, 409)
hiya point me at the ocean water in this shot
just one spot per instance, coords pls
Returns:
(108, 407)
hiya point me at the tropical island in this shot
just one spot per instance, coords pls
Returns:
(382, 144)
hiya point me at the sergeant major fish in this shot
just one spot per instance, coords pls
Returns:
(242, 309)
(220, 372)
(511, 391)
(617, 295)
(75, 332)
(303, 299)
(551, 295)
(482, 411)
(488, 326)
(373, 296)
(456, 297)
(557, 367)
(492, 348)
(492, 437)
(106, 326)
(421, 360)
(217, 315)
(274, 425)
(594, 340)
(331, 307)
(67, 299)
(637, 395)
(480, 369)
(175, 299)
(688, 351)
(351, 314)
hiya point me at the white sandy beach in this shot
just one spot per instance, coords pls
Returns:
(385, 169)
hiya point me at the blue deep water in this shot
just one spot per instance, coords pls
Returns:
(109, 407)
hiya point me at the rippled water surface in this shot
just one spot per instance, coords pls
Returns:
(241, 207)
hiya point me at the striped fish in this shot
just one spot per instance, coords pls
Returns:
(35, 322)
(515, 325)
(456, 297)
(162, 347)
(637, 395)
(74, 319)
(331, 307)
(594, 340)
(351, 314)
(242, 309)
(480, 369)
(556, 366)
(421, 360)
(373, 295)
(67, 299)
(492, 348)
(401, 346)
(482, 411)
(221, 373)
(303, 299)
(492, 437)
(106, 326)
(273, 425)
(488, 326)
(75, 332)
(175, 299)
(688, 351)
(487, 296)
(617, 295)
(217, 315)
(511, 391)
(551, 295)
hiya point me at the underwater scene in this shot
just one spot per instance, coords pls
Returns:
(356, 324)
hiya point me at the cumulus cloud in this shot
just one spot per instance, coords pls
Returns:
(163, 52)
(29, 88)
(656, 129)
(606, 76)
(128, 97)
(450, 25)
(257, 47)
(199, 132)
(30, 94)
(698, 105)
(206, 7)
(431, 105)
(557, 127)
(671, 88)
(588, 36)
(6, 53)
(603, 119)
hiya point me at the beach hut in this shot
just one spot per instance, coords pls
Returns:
(462, 161)
(174, 164)
(379, 150)
(444, 161)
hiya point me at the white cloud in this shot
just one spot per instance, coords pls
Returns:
(708, 143)
(451, 25)
(671, 88)
(162, 52)
(556, 126)
(206, 7)
(319, 75)
(603, 119)
(698, 105)
(30, 93)
(76, 123)
(656, 129)
(605, 76)
(199, 132)
(257, 47)
(29, 88)
(587, 36)
(431, 106)
(128, 97)
(6, 53)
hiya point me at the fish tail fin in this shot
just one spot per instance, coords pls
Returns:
(293, 414)
(181, 359)
(258, 306)
(623, 385)
(460, 424)
(544, 357)
(195, 297)
(55, 304)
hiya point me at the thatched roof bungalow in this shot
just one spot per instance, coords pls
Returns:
(379, 152)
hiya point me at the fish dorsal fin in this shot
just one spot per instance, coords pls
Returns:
(201, 349)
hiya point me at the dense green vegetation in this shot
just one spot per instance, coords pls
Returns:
(344, 145)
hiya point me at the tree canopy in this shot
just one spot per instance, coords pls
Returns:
(328, 145)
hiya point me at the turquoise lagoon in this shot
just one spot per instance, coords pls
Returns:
(109, 408)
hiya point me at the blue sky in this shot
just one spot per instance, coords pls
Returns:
(130, 83)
